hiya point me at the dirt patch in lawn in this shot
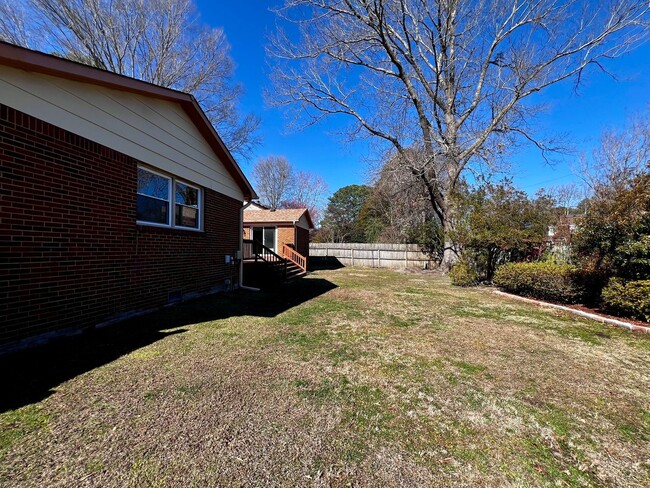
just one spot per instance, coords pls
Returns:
(384, 378)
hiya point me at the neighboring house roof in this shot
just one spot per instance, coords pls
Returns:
(256, 215)
(258, 206)
(34, 61)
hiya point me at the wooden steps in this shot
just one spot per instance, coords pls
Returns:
(263, 268)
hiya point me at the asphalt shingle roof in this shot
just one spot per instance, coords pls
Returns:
(281, 215)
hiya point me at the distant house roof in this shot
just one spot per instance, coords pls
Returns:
(257, 206)
(257, 215)
(29, 60)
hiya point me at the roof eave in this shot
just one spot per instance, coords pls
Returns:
(38, 62)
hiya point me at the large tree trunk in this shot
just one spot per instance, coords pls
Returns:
(451, 252)
(449, 257)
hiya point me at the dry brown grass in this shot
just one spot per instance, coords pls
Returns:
(388, 379)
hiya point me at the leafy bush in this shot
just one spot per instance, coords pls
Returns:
(590, 281)
(428, 235)
(633, 256)
(496, 224)
(614, 233)
(463, 274)
(543, 280)
(631, 299)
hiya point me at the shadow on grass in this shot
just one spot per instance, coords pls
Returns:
(324, 262)
(30, 375)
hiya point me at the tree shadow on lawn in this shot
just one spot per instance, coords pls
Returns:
(30, 375)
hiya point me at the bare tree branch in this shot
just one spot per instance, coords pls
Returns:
(453, 77)
(159, 41)
(280, 185)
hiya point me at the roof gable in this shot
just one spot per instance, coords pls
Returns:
(52, 66)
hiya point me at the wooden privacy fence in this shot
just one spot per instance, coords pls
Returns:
(371, 255)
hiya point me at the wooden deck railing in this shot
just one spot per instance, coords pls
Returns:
(256, 250)
(295, 257)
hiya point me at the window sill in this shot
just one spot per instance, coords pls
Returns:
(163, 229)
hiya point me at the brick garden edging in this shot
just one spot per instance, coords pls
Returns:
(592, 316)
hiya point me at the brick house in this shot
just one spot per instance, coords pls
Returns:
(275, 228)
(116, 196)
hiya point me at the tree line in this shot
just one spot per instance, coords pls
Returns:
(600, 223)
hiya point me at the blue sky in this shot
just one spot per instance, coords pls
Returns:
(600, 103)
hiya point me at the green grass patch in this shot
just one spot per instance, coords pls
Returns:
(343, 354)
(151, 396)
(188, 390)
(16, 424)
(468, 368)
(413, 368)
(365, 416)
(145, 353)
(396, 321)
(306, 344)
(636, 429)
(95, 466)
(476, 311)
(475, 399)
(326, 390)
(555, 418)
(321, 309)
(550, 466)
(594, 335)
(415, 291)
(145, 471)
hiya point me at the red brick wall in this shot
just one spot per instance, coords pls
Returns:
(285, 236)
(71, 254)
(302, 244)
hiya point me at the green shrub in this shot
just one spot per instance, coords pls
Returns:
(631, 299)
(428, 235)
(463, 274)
(543, 280)
(590, 281)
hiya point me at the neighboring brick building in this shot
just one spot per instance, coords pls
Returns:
(116, 196)
(277, 227)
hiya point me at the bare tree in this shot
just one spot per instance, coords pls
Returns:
(400, 200)
(280, 185)
(620, 157)
(308, 191)
(272, 176)
(159, 41)
(14, 27)
(453, 78)
(566, 196)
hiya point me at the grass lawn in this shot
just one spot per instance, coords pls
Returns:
(356, 377)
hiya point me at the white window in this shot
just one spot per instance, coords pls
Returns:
(156, 201)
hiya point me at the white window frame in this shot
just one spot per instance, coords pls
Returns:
(199, 206)
(171, 215)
